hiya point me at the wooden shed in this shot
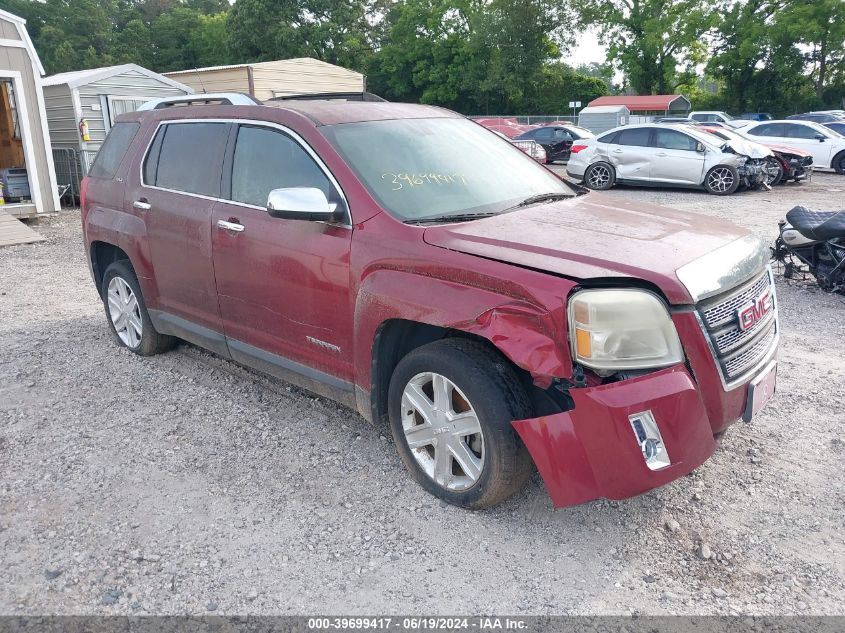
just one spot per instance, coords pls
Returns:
(96, 96)
(281, 78)
(26, 163)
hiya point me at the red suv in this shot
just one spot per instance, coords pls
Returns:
(410, 264)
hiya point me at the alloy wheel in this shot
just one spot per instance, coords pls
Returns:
(443, 431)
(599, 176)
(720, 179)
(125, 312)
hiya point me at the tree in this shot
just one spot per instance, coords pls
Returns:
(820, 25)
(649, 39)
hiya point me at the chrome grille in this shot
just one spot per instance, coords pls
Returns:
(738, 351)
(722, 310)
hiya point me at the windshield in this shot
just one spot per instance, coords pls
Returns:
(429, 168)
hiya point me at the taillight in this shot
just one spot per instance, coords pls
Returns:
(578, 148)
(83, 192)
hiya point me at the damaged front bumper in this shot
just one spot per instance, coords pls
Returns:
(756, 172)
(606, 447)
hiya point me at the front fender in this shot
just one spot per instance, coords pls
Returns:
(531, 336)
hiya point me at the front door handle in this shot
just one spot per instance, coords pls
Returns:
(142, 204)
(617, 151)
(230, 226)
(661, 154)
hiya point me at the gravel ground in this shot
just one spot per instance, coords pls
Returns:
(186, 484)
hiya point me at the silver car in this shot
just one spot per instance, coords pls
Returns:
(672, 155)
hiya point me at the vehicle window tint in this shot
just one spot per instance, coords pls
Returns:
(267, 159)
(608, 138)
(670, 139)
(544, 133)
(792, 130)
(113, 149)
(190, 158)
(151, 162)
(769, 129)
(561, 134)
(637, 136)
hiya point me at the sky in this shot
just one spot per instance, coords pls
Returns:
(587, 49)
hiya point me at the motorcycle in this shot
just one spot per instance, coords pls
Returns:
(813, 242)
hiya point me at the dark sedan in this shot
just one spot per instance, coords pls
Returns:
(557, 141)
(839, 126)
(818, 117)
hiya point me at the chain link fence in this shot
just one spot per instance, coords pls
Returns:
(530, 119)
(71, 167)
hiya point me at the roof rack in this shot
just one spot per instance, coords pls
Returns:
(211, 98)
(342, 96)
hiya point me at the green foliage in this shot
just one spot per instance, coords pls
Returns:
(479, 56)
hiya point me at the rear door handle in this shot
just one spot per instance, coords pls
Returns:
(660, 154)
(617, 151)
(142, 204)
(230, 226)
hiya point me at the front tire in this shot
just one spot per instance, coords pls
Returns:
(127, 313)
(600, 176)
(721, 180)
(776, 173)
(451, 404)
(838, 163)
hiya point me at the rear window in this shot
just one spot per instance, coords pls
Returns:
(113, 149)
(187, 157)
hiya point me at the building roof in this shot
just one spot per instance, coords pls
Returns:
(605, 109)
(78, 78)
(644, 103)
(20, 25)
(269, 64)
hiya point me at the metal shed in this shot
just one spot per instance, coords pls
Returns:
(26, 163)
(95, 97)
(599, 119)
(280, 78)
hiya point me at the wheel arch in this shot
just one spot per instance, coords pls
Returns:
(102, 255)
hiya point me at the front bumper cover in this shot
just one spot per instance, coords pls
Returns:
(591, 452)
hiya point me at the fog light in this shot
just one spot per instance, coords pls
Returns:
(649, 440)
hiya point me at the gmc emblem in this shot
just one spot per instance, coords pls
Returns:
(754, 311)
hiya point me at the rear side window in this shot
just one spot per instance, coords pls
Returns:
(608, 138)
(268, 159)
(637, 136)
(113, 150)
(767, 129)
(187, 157)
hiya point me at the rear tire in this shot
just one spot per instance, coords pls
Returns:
(600, 176)
(127, 314)
(460, 446)
(721, 180)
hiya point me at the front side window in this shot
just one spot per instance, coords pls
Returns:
(267, 159)
(636, 136)
(113, 149)
(429, 168)
(670, 139)
(186, 157)
(793, 130)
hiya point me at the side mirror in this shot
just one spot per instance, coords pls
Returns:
(699, 147)
(821, 137)
(301, 203)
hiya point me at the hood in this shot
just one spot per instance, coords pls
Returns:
(594, 236)
(748, 148)
(783, 149)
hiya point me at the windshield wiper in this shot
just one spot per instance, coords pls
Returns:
(542, 197)
(458, 217)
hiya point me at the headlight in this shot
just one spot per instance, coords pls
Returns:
(613, 330)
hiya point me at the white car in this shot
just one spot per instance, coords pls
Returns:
(669, 154)
(826, 145)
(707, 116)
